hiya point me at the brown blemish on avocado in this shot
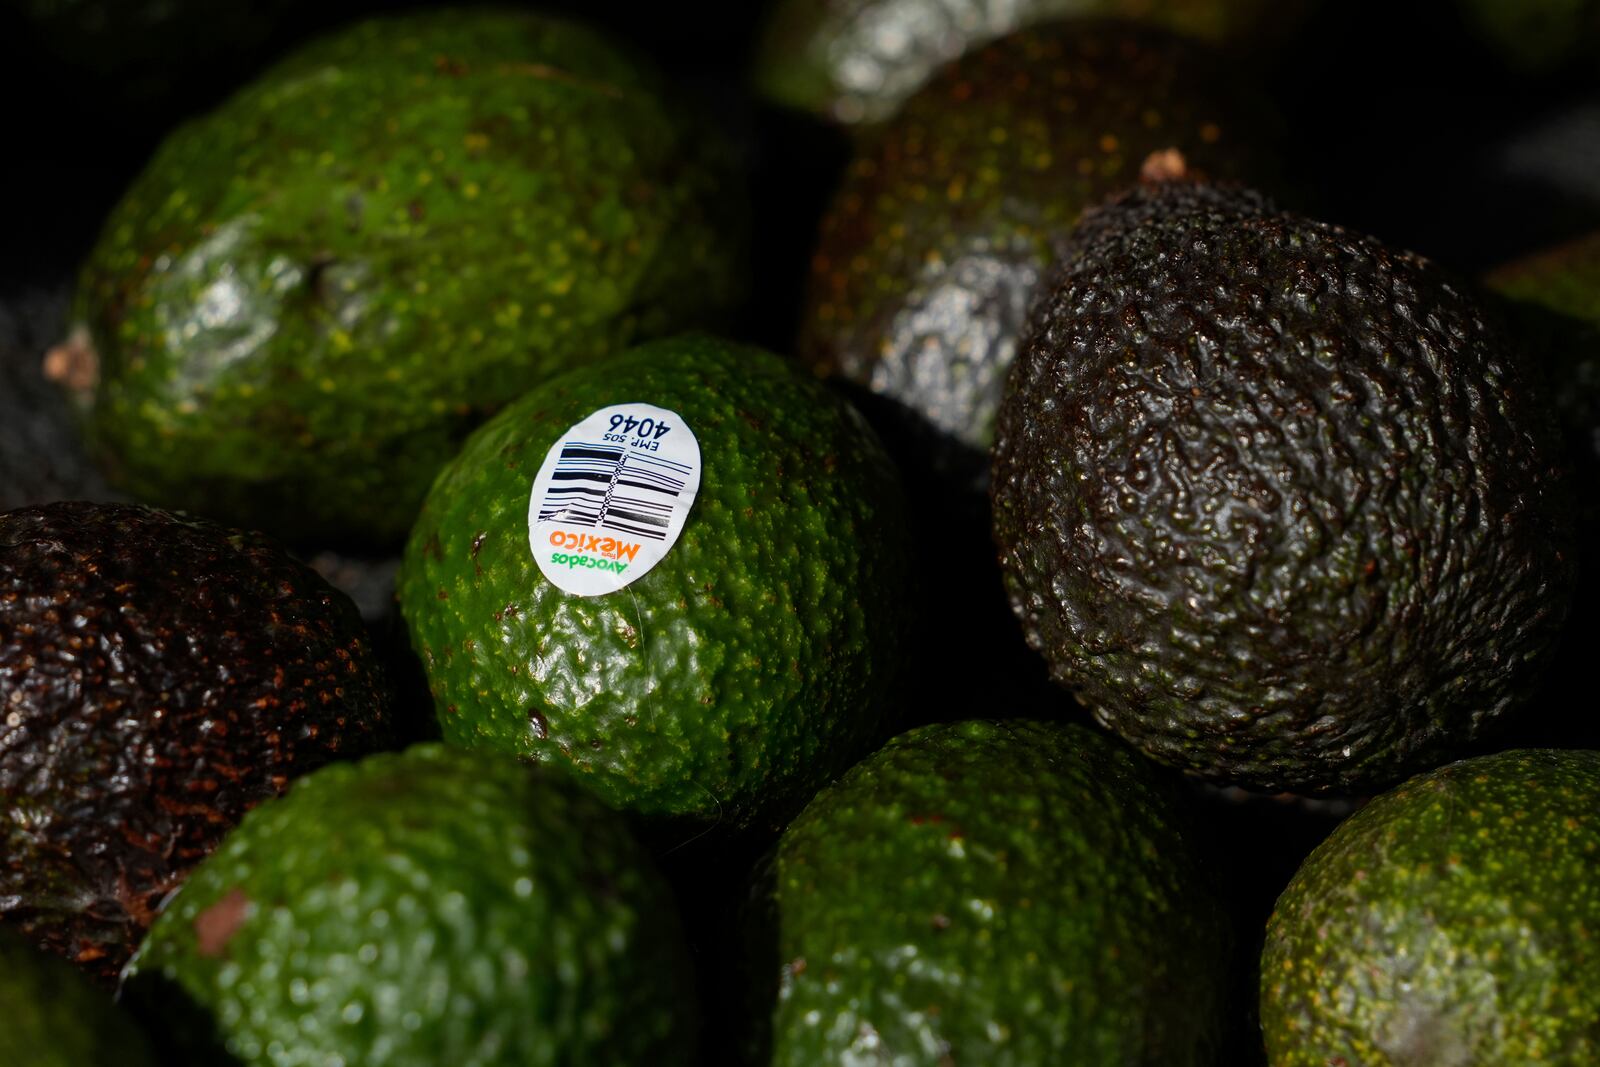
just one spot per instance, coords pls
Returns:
(215, 926)
(74, 364)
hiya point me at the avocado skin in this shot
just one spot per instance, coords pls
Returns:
(1006, 893)
(54, 1017)
(1280, 505)
(758, 659)
(160, 675)
(430, 907)
(1448, 922)
(937, 241)
(311, 295)
(855, 62)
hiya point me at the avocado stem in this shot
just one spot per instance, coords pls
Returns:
(1165, 165)
(74, 363)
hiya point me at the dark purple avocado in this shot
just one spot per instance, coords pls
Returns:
(159, 676)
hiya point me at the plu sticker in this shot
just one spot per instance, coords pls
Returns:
(611, 497)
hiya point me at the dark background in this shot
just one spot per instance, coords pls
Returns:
(1401, 122)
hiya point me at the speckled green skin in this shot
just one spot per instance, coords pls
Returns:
(53, 1017)
(312, 294)
(1283, 506)
(742, 672)
(935, 244)
(1008, 894)
(1449, 923)
(427, 908)
(857, 61)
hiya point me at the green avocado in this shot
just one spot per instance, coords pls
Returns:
(313, 293)
(944, 227)
(752, 663)
(1449, 922)
(159, 676)
(857, 61)
(54, 1017)
(420, 909)
(1281, 505)
(1001, 893)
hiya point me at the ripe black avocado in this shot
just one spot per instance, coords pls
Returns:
(158, 677)
(1282, 505)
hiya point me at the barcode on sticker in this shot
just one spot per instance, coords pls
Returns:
(612, 496)
(608, 488)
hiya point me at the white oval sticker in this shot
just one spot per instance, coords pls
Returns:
(612, 496)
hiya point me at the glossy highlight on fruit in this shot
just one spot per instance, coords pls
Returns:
(1007, 893)
(423, 908)
(757, 659)
(312, 294)
(939, 237)
(1282, 506)
(159, 676)
(1450, 921)
(856, 61)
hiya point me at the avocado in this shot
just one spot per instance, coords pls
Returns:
(1005, 893)
(159, 675)
(431, 907)
(753, 661)
(856, 61)
(1448, 922)
(310, 295)
(55, 1017)
(945, 224)
(1281, 505)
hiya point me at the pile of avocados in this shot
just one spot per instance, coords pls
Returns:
(902, 532)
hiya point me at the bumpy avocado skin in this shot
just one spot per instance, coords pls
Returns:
(1282, 506)
(424, 908)
(1451, 921)
(54, 1017)
(159, 676)
(857, 61)
(752, 664)
(1007, 893)
(312, 294)
(936, 242)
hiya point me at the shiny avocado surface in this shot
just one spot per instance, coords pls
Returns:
(1281, 505)
(158, 677)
